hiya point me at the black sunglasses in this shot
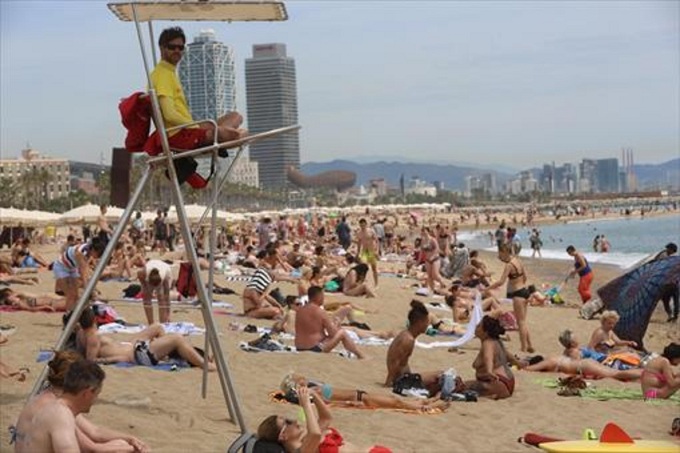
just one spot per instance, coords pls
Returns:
(179, 47)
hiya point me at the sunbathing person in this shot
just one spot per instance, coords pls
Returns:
(570, 362)
(311, 276)
(658, 379)
(316, 330)
(354, 284)
(7, 371)
(90, 437)
(359, 398)
(32, 302)
(604, 339)
(23, 257)
(287, 323)
(10, 275)
(257, 302)
(147, 348)
(493, 376)
(401, 348)
(119, 266)
(288, 433)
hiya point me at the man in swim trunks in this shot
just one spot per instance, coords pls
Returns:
(367, 243)
(401, 348)
(585, 273)
(146, 348)
(316, 331)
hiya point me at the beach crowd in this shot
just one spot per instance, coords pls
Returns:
(346, 257)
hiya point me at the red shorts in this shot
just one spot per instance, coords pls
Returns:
(191, 138)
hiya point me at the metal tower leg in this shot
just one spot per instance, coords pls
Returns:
(230, 395)
(99, 269)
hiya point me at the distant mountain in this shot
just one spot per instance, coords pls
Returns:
(452, 176)
(649, 176)
(659, 176)
(500, 168)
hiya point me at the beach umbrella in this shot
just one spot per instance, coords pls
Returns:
(90, 213)
(10, 216)
(634, 295)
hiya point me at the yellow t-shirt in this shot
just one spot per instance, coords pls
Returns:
(166, 83)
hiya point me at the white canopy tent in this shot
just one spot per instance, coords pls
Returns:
(90, 213)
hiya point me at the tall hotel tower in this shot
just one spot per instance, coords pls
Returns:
(207, 75)
(271, 96)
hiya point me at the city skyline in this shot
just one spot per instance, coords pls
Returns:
(510, 83)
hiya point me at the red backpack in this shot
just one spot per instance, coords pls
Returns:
(186, 283)
(135, 113)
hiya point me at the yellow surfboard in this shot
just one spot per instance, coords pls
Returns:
(587, 446)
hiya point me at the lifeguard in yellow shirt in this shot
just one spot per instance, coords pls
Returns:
(173, 103)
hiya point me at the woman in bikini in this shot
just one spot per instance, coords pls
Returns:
(359, 398)
(293, 437)
(355, 284)
(570, 362)
(430, 247)
(517, 290)
(604, 339)
(658, 379)
(32, 302)
(493, 376)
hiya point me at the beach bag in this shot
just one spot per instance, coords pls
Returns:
(407, 383)
(133, 291)
(508, 321)
(186, 283)
(591, 308)
(334, 286)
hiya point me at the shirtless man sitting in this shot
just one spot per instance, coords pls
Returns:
(148, 347)
(402, 346)
(53, 429)
(316, 331)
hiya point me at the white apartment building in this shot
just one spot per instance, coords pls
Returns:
(51, 175)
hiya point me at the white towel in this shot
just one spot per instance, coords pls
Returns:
(182, 328)
(475, 318)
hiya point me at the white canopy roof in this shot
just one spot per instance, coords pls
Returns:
(90, 213)
(208, 10)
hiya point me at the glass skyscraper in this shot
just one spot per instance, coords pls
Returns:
(271, 96)
(207, 75)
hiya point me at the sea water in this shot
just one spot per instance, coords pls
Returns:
(631, 239)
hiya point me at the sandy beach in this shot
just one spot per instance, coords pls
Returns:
(166, 410)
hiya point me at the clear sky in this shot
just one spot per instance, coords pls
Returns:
(513, 83)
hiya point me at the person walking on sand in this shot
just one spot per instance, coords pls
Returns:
(367, 251)
(585, 273)
(536, 243)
